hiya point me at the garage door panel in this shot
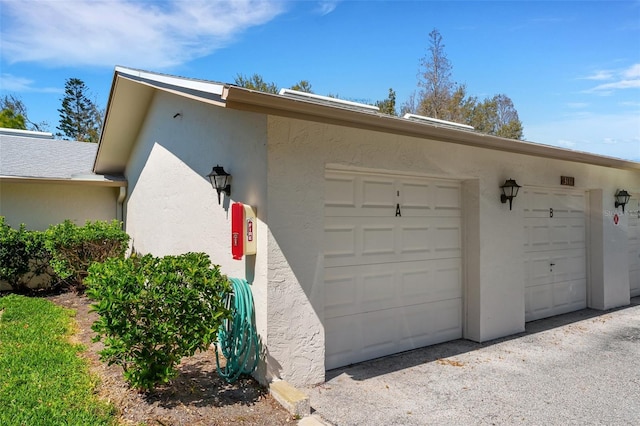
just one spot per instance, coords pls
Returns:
(376, 193)
(370, 240)
(340, 241)
(374, 334)
(427, 324)
(555, 252)
(392, 276)
(352, 290)
(432, 284)
(541, 235)
(554, 299)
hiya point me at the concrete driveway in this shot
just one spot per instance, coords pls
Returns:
(579, 368)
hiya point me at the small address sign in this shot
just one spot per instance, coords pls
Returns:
(567, 180)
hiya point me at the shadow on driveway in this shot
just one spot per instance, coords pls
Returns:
(408, 359)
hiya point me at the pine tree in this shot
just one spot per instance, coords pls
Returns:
(80, 118)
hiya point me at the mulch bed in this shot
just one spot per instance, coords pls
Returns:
(197, 396)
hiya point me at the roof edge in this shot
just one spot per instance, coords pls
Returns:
(97, 181)
(244, 99)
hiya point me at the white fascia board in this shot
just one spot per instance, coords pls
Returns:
(186, 83)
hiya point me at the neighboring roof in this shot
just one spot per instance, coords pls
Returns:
(37, 157)
(132, 91)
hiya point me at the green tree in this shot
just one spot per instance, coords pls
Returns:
(497, 116)
(10, 120)
(255, 82)
(440, 97)
(15, 108)
(388, 106)
(302, 86)
(80, 118)
(435, 80)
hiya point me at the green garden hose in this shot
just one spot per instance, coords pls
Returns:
(237, 338)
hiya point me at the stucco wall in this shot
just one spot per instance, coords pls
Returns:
(172, 208)
(40, 205)
(299, 152)
(278, 166)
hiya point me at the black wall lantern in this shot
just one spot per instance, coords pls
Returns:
(509, 191)
(622, 198)
(220, 181)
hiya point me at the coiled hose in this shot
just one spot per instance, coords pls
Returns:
(237, 338)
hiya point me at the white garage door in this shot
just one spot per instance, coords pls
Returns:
(555, 252)
(633, 210)
(392, 265)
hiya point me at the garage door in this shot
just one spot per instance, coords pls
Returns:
(555, 252)
(392, 265)
(633, 210)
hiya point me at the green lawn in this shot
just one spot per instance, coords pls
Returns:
(43, 381)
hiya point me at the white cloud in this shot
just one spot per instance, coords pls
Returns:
(12, 83)
(625, 79)
(328, 6)
(600, 75)
(632, 72)
(109, 32)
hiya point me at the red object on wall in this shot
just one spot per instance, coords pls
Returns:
(237, 230)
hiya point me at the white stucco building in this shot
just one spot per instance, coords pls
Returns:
(376, 234)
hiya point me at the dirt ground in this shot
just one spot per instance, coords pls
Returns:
(198, 396)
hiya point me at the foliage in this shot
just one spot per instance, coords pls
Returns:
(497, 116)
(80, 118)
(255, 82)
(442, 98)
(44, 381)
(21, 252)
(388, 106)
(74, 248)
(302, 86)
(154, 311)
(9, 119)
(435, 79)
(16, 107)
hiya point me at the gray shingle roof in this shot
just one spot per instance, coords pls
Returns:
(31, 157)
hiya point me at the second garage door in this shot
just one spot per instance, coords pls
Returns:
(393, 274)
(555, 252)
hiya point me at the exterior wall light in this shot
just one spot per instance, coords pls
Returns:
(622, 198)
(220, 181)
(509, 191)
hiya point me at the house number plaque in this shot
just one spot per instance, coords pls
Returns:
(567, 180)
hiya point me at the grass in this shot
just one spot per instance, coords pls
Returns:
(43, 381)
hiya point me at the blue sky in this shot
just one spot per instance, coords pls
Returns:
(572, 68)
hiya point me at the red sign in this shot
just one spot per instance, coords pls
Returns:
(237, 231)
(616, 219)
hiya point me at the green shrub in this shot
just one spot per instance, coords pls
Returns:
(23, 255)
(74, 248)
(153, 311)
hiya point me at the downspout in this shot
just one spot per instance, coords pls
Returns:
(120, 203)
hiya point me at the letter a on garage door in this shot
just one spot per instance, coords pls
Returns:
(392, 264)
